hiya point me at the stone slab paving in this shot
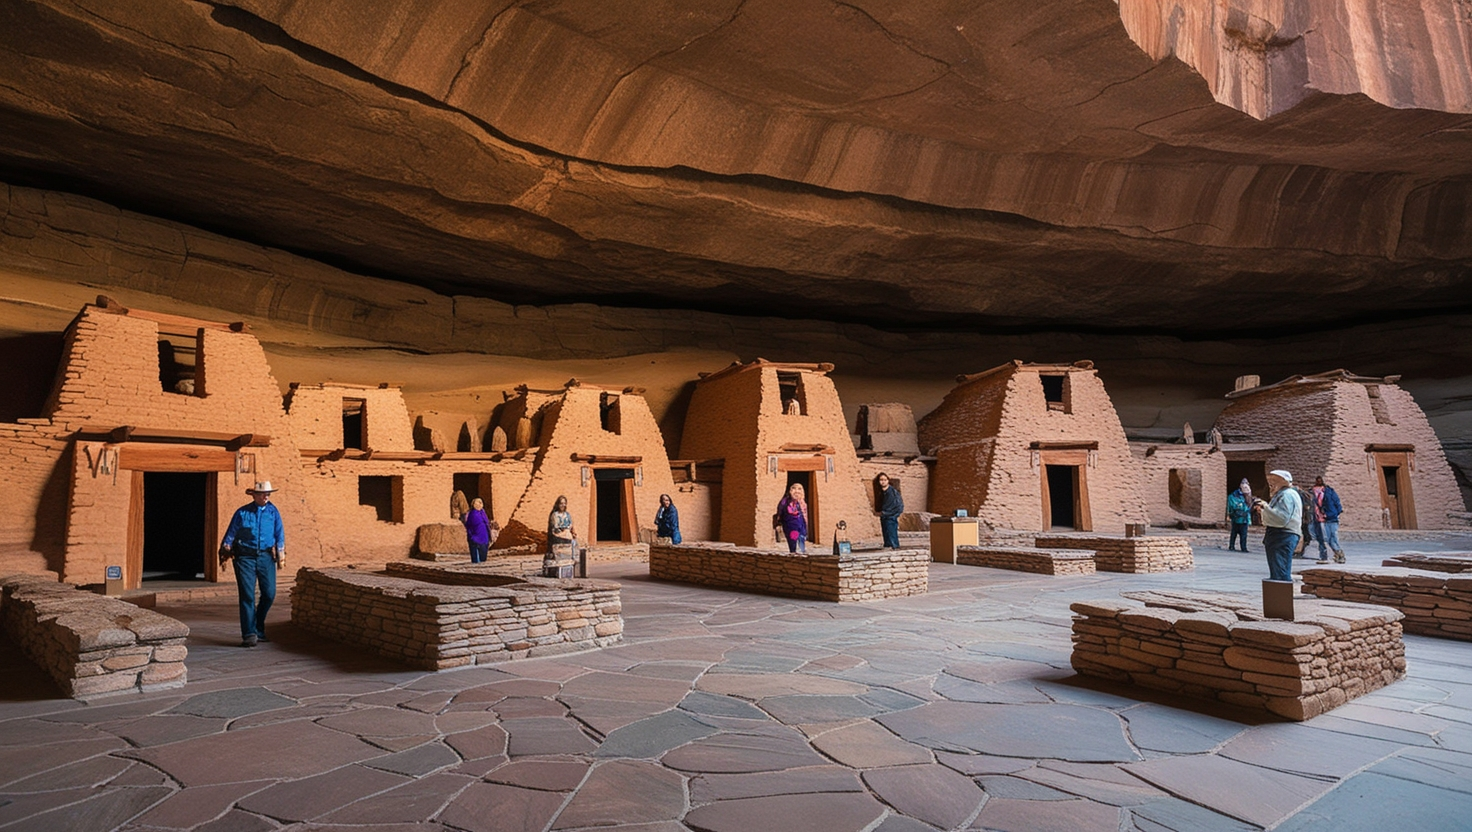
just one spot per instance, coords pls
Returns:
(722, 711)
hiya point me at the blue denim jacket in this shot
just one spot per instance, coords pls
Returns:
(255, 527)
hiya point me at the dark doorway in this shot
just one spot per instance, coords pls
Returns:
(810, 494)
(1062, 495)
(352, 424)
(469, 485)
(613, 497)
(1256, 473)
(174, 523)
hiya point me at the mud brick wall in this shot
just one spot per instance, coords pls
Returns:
(1199, 492)
(91, 645)
(1433, 604)
(863, 576)
(912, 478)
(982, 434)
(316, 417)
(435, 626)
(1299, 669)
(1129, 554)
(1322, 428)
(1022, 559)
(738, 416)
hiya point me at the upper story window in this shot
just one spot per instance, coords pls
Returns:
(610, 416)
(355, 424)
(1056, 392)
(179, 361)
(1377, 405)
(790, 389)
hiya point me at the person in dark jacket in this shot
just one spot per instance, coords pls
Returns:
(667, 520)
(1239, 513)
(891, 506)
(1325, 508)
(792, 516)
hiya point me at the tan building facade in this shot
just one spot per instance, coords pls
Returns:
(773, 424)
(1183, 484)
(599, 447)
(1364, 435)
(1034, 447)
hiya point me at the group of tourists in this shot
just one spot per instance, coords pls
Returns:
(1292, 518)
(256, 539)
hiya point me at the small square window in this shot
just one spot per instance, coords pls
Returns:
(385, 495)
(1055, 392)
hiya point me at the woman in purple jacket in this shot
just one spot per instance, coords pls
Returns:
(480, 530)
(792, 514)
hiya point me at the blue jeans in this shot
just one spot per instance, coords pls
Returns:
(249, 567)
(890, 526)
(478, 552)
(1327, 533)
(798, 544)
(1238, 529)
(1280, 544)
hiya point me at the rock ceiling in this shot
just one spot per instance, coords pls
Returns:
(1050, 163)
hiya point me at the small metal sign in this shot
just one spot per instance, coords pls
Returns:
(114, 573)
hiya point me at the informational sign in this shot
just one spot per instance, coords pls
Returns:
(114, 584)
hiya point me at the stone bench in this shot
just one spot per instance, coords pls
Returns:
(90, 644)
(438, 617)
(1023, 559)
(1128, 554)
(861, 576)
(1219, 647)
(1434, 603)
(1432, 562)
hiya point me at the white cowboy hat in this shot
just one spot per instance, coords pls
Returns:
(262, 487)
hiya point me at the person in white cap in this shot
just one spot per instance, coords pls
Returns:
(1283, 518)
(257, 542)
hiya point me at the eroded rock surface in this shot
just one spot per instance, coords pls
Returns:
(1010, 163)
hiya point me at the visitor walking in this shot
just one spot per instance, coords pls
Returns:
(891, 506)
(792, 516)
(1283, 518)
(1326, 508)
(1239, 513)
(667, 520)
(256, 540)
(480, 530)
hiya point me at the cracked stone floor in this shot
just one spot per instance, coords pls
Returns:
(726, 711)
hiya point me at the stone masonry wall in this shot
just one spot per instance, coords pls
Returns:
(1021, 559)
(1129, 554)
(1156, 463)
(1012, 496)
(1434, 604)
(862, 576)
(91, 645)
(1322, 428)
(436, 627)
(110, 379)
(721, 424)
(912, 478)
(575, 427)
(316, 417)
(1332, 653)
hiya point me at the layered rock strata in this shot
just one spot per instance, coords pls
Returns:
(1218, 649)
(1434, 604)
(437, 627)
(91, 645)
(1128, 554)
(861, 576)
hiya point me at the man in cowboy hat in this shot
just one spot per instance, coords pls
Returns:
(257, 541)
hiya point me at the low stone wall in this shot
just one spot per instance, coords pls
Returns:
(862, 576)
(1437, 562)
(435, 625)
(1023, 559)
(1128, 554)
(90, 644)
(1213, 647)
(1434, 604)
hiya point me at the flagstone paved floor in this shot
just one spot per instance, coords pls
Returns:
(726, 711)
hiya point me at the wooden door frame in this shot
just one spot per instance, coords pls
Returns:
(1405, 501)
(628, 517)
(137, 459)
(1078, 460)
